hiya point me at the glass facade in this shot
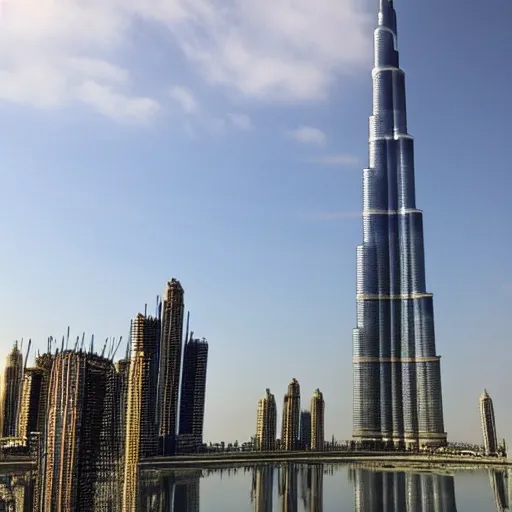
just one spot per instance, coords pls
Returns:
(397, 380)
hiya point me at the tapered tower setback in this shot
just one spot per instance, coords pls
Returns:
(397, 381)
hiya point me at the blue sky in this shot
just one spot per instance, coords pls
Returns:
(222, 143)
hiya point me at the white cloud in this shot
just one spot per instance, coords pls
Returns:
(268, 50)
(120, 108)
(308, 135)
(185, 98)
(240, 121)
(341, 160)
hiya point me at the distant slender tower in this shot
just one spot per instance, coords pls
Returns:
(291, 418)
(488, 424)
(193, 393)
(10, 392)
(78, 449)
(397, 373)
(170, 363)
(266, 425)
(317, 421)
(305, 430)
(29, 403)
(141, 438)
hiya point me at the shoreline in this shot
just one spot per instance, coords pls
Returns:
(377, 459)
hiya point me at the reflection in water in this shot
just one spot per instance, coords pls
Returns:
(169, 492)
(263, 488)
(499, 490)
(402, 492)
(283, 488)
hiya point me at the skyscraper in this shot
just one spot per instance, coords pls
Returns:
(397, 379)
(488, 424)
(291, 417)
(266, 423)
(141, 438)
(305, 430)
(170, 363)
(10, 391)
(193, 393)
(80, 406)
(29, 402)
(317, 421)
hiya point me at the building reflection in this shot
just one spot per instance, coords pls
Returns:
(169, 492)
(402, 492)
(497, 480)
(263, 489)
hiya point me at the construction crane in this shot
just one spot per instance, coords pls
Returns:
(116, 349)
(92, 344)
(67, 339)
(82, 344)
(104, 347)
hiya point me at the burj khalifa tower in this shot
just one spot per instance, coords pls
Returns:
(397, 376)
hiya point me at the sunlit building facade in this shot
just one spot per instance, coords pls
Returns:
(141, 428)
(290, 427)
(266, 423)
(397, 379)
(488, 424)
(10, 391)
(317, 421)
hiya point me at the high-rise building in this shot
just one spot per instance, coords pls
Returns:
(266, 423)
(397, 378)
(290, 488)
(488, 424)
(10, 390)
(187, 492)
(317, 421)
(80, 417)
(170, 363)
(316, 488)
(499, 489)
(193, 394)
(290, 427)
(305, 430)
(123, 374)
(141, 434)
(29, 402)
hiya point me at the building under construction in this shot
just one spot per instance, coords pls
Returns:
(10, 390)
(29, 403)
(170, 364)
(141, 427)
(193, 394)
(80, 444)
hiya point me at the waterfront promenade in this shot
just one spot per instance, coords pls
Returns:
(381, 459)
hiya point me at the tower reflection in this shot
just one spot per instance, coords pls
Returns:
(499, 490)
(402, 492)
(171, 492)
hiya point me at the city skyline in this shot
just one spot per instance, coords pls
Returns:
(269, 211)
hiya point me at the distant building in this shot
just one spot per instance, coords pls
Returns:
(193, 394)
(141, 433)
(317, 421)
(291, 418)
(305, 430)
(170, 364)
(266, 424)
(29, 402)
(488, 424)
(10, 390)
(80, 443)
